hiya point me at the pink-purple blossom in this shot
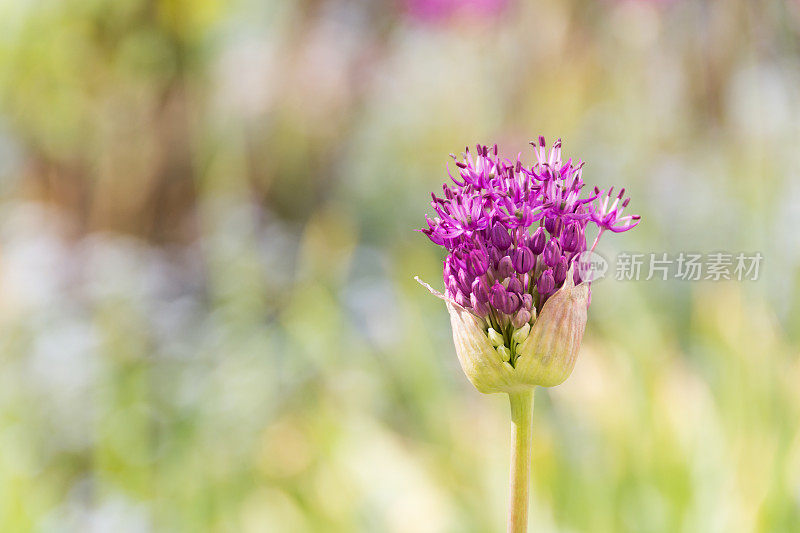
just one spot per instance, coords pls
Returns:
(512, 232)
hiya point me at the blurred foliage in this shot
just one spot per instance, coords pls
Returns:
(208, 320)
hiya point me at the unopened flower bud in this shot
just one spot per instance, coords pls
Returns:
(560, 272)
(512, 303)
(571, 238)
(464, 281)
(523, 259)
(550, 224)
(495, 338)
(576, 277)
(505, 353)
(546, 283)
(495, 255)
(537, 241)
(500, 237)
(498, 297)
(522, 332)
(478, 262)
(521, 319)
(552, 252)
(505, 269)
(461, 299)
(452, 285)
(514, 285)
(479, 290)
(478, 307)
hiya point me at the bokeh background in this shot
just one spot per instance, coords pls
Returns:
(208, 319)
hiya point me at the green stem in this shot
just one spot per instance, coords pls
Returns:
(521, 417)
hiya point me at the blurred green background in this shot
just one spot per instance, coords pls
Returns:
(208, 319)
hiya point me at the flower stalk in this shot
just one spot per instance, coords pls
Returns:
(521, 418)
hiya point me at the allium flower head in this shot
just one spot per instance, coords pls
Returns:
(512, 235)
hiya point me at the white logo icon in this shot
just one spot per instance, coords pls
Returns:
(591, 266)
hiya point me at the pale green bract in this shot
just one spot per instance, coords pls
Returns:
(545, 353)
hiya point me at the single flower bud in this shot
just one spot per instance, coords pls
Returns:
(461, 299)
(478, 307)
(522, 332)
(500, 237)
(505, 269)
(479, 290)
(505, 353)
(560, 271)
(478, 262)
(550, 224)
(512, 303)
(495, 338)
(548, 355)
(452, 285)
(494, 255)
(464, 281)
(521, 319)
(571, 240)
(498, 297)
(546, 283)
(537, 241)
(523, 259)
(552, 252)
(514, 285)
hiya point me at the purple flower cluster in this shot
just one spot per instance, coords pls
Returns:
(513, 233)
